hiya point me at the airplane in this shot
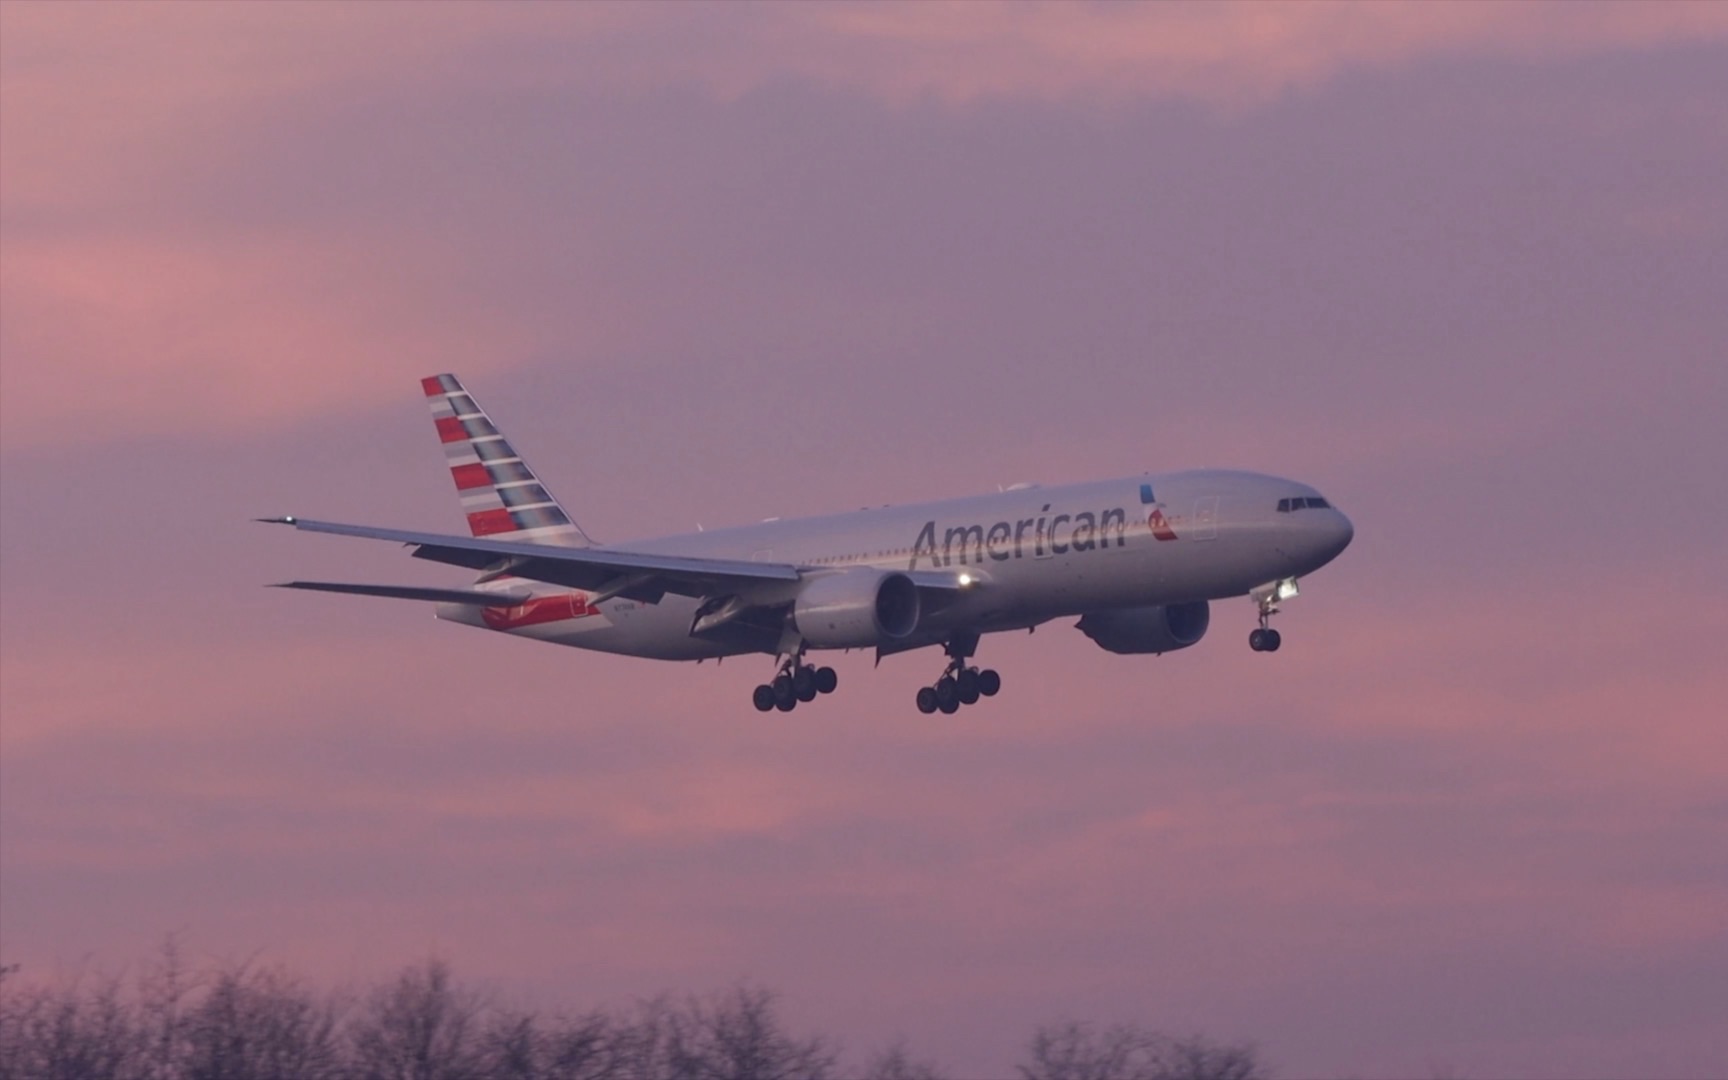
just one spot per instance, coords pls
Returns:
(1137, 560)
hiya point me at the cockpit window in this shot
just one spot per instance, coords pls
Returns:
(1305, 502)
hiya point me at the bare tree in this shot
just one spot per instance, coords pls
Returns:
(67, 1033)
(1195, 1058)
(512, 1047)
(895, 1063)
(165, 990)
(585, 1048)
(1075, 1051)
(735, 1036)
(418, 1028)
(260, 1025)
(246, 1023)
(518, 1045)
(641, 1046)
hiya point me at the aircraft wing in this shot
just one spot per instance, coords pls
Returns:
(631, 574)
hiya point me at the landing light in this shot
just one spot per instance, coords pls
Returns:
(965, 580)
(1287, 589)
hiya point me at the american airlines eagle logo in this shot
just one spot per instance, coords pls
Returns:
(1155, 519)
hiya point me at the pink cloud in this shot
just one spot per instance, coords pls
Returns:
(166, 324)
(113, 336)
(1235, 54)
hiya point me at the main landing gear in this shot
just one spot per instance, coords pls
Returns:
(959, 684)
(796, 682)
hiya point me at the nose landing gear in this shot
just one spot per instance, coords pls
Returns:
(796, 682)
(959, 684)
(1266, 639)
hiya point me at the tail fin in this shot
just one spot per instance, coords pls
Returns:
(500, 494)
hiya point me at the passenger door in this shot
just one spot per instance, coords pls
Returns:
(1205, 518)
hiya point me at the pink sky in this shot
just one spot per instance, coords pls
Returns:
(1462, 267)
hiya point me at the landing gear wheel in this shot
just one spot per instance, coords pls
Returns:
(786, 704)
(989, 682)
(927, 702)
(1257, 639)
(804, 684)
(785, 696)
(1272, 640)
(947, 693)
(966, 683)
(763, 698)
(826, 680)
(949, 707)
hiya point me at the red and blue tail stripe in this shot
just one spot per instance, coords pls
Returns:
(500, 494)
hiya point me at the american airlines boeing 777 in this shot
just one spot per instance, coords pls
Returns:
(1138, 560)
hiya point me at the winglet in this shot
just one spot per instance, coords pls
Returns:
(286, 519)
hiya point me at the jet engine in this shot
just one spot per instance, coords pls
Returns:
(856, 608)
(1160, 628)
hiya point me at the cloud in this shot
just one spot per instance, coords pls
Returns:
(117, 336)
(144, 294)
(156, 69)
(119, 85)
(1233, 54)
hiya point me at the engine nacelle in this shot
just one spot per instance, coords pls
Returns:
(856, 608)
(1158, 629)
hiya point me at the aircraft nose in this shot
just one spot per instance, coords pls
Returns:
(1339, 533)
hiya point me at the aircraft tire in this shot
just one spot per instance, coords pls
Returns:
(1257, 640)
(967, 683)
(989, 682)
(786, 704)
(804, 684)
(763, 698)
(926, 700)
(950, 707)
(946, 692)
(826, 680)
(1273, 640)
(783, 690)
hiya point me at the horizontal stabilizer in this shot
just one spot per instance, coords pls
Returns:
(476, 597)
(592, 568)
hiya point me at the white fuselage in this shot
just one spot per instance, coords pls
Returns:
(1032, 554)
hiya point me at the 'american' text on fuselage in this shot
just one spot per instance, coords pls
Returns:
(1006, 540)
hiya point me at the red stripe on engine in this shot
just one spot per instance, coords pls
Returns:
(487, 522)
(471, 476)
(431, 385)
(450, 429)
